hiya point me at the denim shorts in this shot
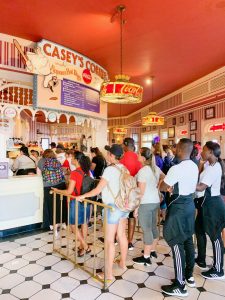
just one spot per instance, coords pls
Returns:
(115, 215)
(80, 213)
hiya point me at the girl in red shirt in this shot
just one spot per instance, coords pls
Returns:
(82, 164)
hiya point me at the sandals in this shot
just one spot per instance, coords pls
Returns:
(81, 252)
(117, 262)
(100, 276)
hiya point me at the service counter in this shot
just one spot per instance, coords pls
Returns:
(21, 203)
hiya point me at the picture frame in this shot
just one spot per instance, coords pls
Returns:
(174, 121)
(171, 132)
(210, 113)
(182, 120)
(193, 137)
(193, 125)
(190, 116)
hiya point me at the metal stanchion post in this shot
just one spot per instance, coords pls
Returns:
(68, 223)
(85, 222)
(54, 219)
(105, 246)
(76, 228)
(60, 228)
(94, 242)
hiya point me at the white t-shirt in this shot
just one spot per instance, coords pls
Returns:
(211, 176)
(201, 194)
(185, 174)
(151, 194)
(112, 175)
(24, 162)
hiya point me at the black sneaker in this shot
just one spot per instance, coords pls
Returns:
(90, 225)
(130, 246)
(201, 265)
(213, 274)
(162, 222)
(153, 254)
(101, 239)
(175, 290)
(142, 261)
(191, 282)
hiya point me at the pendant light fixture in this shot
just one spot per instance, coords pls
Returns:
(152, 119)
(121, 91)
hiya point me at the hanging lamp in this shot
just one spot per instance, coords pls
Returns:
(152, 118)
(121, 91)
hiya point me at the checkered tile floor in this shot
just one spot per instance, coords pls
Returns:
(29, 270)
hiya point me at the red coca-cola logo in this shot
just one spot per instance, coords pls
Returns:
(133, 90)
(87, 76)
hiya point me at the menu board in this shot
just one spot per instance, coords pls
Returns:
(77, 95)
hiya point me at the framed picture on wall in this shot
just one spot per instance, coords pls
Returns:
(171, 132)
(193, 125)
(181, 120)
(193, 137)
(174, 121)
(210, 113)
(190, 116)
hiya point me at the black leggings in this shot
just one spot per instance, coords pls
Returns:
(48, 206)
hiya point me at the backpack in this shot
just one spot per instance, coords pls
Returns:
(52, 171)
(88, 184)
(129, 195)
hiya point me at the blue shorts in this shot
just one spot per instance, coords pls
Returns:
(115, 215)
(163, 204)
(80, 213)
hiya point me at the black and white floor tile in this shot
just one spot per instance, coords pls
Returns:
(30, 270)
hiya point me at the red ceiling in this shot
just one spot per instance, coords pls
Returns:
(176, 41)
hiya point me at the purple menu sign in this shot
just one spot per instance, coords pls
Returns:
(79, 96)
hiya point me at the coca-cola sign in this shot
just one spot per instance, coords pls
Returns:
(121, 92)
(87, 76)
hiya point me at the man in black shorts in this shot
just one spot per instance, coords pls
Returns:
(178, 229)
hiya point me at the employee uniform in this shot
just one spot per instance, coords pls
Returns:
(180, 219)
(211, 216)
(24, 165)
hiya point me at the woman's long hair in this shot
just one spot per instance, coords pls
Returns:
(215, 148)
(150, 158)
(84, 161)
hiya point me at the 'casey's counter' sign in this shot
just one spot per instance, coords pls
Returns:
(64, 77)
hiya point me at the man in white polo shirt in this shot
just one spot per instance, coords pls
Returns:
(181, 179)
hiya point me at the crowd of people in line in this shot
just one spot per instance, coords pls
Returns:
(184, 181)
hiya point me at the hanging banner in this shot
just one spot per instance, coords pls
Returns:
(64, 78)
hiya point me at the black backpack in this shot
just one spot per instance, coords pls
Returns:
(88, 184)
